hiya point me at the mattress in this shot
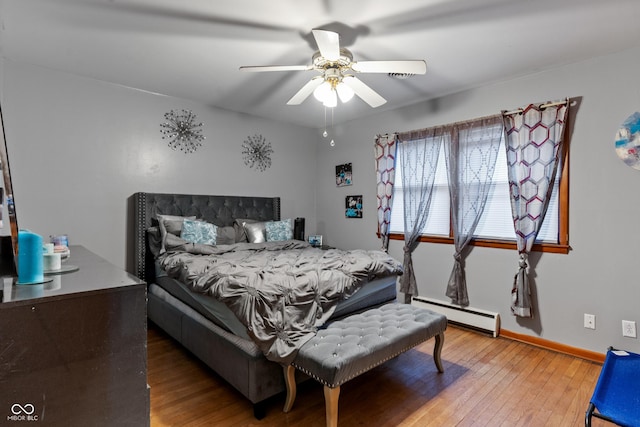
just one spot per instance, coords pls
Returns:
(373, 293)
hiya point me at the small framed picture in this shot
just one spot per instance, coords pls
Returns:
(344, 175)
(353, 207)
(315, 240)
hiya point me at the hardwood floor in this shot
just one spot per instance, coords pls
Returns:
(487, 382)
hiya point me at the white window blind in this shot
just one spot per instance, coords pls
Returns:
(438, 221)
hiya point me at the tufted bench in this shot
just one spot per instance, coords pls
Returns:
(351, 346)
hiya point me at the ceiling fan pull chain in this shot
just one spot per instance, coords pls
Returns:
(324, 134)
(332, 143)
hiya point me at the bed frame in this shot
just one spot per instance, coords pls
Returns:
(237, 360)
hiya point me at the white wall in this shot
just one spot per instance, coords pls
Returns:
(79, 148)
(598, 276)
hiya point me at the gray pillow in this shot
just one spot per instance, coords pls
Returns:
(170, 224)
(173, 243)
(155, 241)
(226, 236)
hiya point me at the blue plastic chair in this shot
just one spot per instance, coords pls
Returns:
(616, 397)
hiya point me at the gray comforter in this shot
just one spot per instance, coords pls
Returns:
(281, 291)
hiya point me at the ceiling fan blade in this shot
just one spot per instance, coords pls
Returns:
(258, 68)
(408, 67)
(306, 90)
(367, 94)
(328, 44)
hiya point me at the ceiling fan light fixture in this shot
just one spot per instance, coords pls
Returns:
(331, 100)
(326, 93)
(344, 92)
(322, 92)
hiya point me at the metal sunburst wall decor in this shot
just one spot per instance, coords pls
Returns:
(256, 152)
(182, 131)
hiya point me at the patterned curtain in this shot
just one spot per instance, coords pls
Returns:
(418, 155)
(533, 143)
(385, 155)
(471, 159)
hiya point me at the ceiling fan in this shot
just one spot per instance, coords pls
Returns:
(335, 65)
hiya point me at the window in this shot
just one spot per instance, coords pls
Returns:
(438, 218)
(496, 225)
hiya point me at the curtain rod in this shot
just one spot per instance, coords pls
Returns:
(550, 104)
(507, 113)
(462, 122)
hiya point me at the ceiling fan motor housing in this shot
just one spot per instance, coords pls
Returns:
(344, 61)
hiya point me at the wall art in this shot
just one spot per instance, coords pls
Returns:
(315, 240)
(182, 131)
(256, 152)
(344, 175)
(353, 207)
(628, 141)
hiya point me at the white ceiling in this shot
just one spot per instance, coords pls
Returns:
(192, 48)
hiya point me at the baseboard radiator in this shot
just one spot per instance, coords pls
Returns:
(474, 318)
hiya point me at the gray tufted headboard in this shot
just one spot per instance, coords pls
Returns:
(219, 210)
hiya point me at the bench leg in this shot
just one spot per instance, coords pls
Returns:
(331, 405)
(290, 381)
(437, 350)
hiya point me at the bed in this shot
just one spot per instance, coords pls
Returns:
(200, 321)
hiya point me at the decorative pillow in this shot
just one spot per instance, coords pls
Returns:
(238, 226)
(199, 232)
(170, 224)
(279, 230)
(256, 232)
(226, 236)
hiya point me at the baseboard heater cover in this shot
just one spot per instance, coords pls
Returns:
(474, 318)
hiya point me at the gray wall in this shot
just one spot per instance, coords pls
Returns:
(79, 148)
(598, 276)
(6, 230)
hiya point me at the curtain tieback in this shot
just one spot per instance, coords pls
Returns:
(523, 261)
(457, 256)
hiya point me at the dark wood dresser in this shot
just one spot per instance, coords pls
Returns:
(73, 351)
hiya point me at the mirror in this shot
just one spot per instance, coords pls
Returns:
(8, 238)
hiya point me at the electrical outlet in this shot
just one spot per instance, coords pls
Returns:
(629, 328)
(589, 321)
